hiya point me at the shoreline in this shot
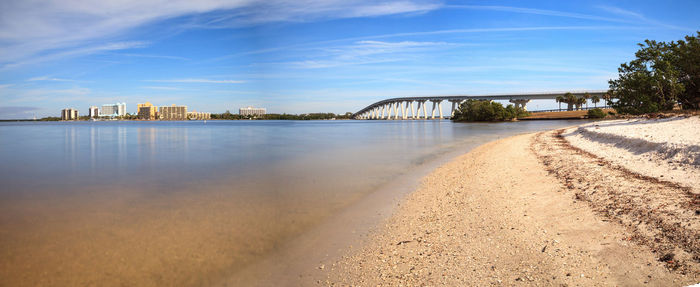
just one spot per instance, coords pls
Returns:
(305, 259)
(498, 215)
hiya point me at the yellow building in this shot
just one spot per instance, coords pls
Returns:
(198, 116)
(146, 111)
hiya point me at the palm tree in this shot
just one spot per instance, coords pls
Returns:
(586, 96)
(595, 99)
(559, 99)
(569, 100)
(607, 98)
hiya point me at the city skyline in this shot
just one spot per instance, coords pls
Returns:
(330, 56)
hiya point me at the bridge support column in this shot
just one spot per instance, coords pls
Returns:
(439, 104)
(413, 115)
(396, 113)
(388, 111)
(425, 113)
(405, 111)
(432, 112)
(383, 109)
(520, 103)
(455, 106)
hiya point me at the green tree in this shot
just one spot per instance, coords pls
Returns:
(559, 99)
(586, 96)
(595, 100)
(685, 57)
(482, 110)
(570, 100)
(647, 84)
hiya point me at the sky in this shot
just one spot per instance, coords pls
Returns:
(301, 56)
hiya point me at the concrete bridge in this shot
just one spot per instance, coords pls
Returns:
(390, 109)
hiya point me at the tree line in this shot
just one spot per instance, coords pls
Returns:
(575, 102)
(301, 117)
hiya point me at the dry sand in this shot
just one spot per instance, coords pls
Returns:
(532, 210)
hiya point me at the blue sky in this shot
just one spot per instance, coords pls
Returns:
(313, 56)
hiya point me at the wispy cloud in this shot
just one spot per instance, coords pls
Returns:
(47, 78)
(639, 17)
(537, 12)
(202, 81)
(73, 53)
(369, 38)
(161, 88)
(3, 86)
(365, 52)
(60, 28)
(152, 56)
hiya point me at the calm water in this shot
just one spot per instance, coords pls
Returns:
(172, 203)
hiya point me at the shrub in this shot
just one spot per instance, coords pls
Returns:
(596, 114)
(486, 111)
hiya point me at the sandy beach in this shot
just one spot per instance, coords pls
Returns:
(565, 207)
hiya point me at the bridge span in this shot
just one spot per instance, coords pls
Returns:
(390, 109)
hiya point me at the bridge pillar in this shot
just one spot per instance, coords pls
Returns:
(439, 104)
(404, 115)
(425, 113)
(432, 112)
(455, 106)
(383, 109)
(520, 103)
(413, 115)
(396, 113)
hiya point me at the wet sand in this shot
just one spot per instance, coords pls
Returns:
(532, 210)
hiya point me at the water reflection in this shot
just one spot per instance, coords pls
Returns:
(154, 199)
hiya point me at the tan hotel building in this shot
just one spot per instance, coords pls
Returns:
(146, 111)
(172, 113)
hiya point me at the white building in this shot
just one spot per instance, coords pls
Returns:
(251, 111)
(94, 112)
(113, 110)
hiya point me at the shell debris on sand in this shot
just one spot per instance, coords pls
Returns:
(481, 220)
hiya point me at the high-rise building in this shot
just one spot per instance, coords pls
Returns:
(146, 111)
(69, 114)
(113, 110)
(173, 113)
(251, 111)
(94, 112)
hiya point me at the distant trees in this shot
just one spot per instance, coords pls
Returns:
(486, 111)
(595, 100)
(311, 116)
(559, 100)
(662, 76)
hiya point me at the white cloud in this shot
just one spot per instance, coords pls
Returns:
(161, 88)
(538, 12)
(204, 81)
(47, 78)
(366, 52)
(59, 28)
(71, 53)
(639, 17)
